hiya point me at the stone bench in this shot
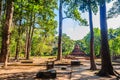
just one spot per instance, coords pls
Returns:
(49, 65)
(75, 63)
(26, 61)
(46, 74)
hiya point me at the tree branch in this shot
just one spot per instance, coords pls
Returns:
(65, 18)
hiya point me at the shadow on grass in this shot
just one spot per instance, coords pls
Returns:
(88, 77)
(18, 76)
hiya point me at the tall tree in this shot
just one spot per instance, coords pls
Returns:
(18, 11)
(92, 61)
(44, 10)
(71, 11)
(29, 31)
(6, 32)
(59, 57)
(106, 67)
(37, 15)
(90, 6)
(32, 16)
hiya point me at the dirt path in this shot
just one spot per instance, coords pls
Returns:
(29, 72)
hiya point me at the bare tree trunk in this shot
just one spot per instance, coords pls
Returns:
(18, 41)
(19, 35)
(92, 61)
(29, 38)
(106, 68)
(32, 31)
(59, 56)
(28, 47)
(0, 8)
(6, 33)
(17, 50)
(26, 42)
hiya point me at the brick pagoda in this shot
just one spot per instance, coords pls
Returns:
(77, 52)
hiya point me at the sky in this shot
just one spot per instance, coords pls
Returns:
(77, 32)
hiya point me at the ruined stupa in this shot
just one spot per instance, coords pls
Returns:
(77, 52)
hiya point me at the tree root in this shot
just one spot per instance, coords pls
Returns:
(93, 68)
(106, 74)
(103, 74)
(117, 75)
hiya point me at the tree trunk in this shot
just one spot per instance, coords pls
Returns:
(6, 33)
(92, 56)
(17, 49)
(106, 67)
(59, 56)
(29, 37)
(0, 8)
(32, 32)
(28, 48)
(26, 42)
(18, 41)
(19, 34)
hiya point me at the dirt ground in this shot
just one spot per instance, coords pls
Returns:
(28, 71)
